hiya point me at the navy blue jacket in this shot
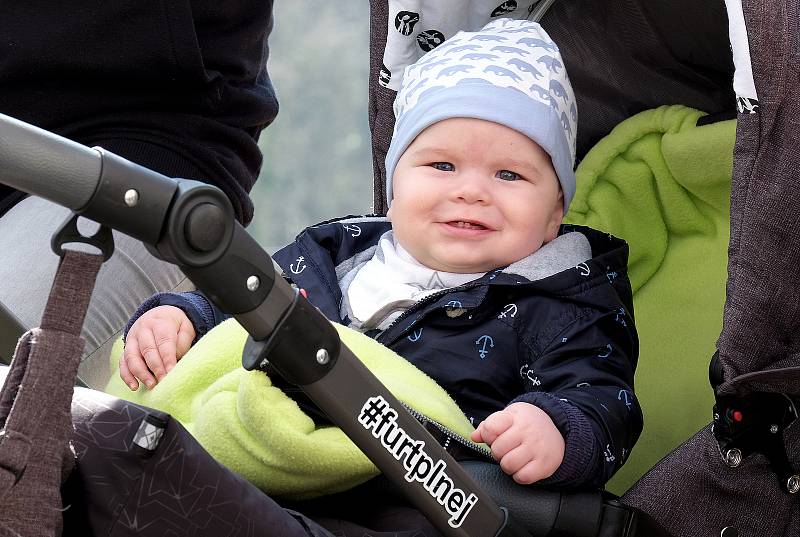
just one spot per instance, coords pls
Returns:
(566, 343)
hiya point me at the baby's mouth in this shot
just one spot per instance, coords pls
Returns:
(466, 225)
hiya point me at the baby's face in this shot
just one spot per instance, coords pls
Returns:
(472, 196)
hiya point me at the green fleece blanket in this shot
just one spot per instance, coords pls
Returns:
(254, 429)
(663, 184)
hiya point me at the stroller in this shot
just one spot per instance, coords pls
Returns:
(720, 482)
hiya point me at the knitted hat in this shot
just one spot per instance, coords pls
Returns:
(510, 72)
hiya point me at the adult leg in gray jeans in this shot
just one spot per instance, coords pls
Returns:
(27, 267)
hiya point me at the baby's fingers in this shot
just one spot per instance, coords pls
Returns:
(132, 366)
(531, 472)
(186, 335)
(165, 338)
(527, 466)
(153, 367)
(492, 427)
(126, 375)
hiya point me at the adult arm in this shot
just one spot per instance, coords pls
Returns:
(179, 86)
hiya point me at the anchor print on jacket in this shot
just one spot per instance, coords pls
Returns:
(527, 374)
(454, 309)
(298, 266)
(626, 397)
(509, 310)
(609, 456)
(416, 335)
(583, 269)
(620, 316)
(485, 344)
(353, 229)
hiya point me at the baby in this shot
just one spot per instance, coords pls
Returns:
(526, 322)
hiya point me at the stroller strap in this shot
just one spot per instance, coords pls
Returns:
(35, 405)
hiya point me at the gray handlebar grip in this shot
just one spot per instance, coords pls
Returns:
(39, 162)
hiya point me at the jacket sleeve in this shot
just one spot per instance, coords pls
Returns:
(203, 314)
(584, 381)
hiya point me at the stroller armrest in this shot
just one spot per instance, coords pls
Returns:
(576, 514)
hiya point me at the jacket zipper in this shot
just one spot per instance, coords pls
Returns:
(449, 434)
(419, 305)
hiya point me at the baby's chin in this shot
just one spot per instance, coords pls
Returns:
(471, 259)
(468, 267)
(476, 267)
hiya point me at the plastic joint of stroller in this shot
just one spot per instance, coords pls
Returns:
(754, 423)
(302, 331)
(68, 233)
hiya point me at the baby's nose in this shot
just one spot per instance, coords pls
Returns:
(473, 188)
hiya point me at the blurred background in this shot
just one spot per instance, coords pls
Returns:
(317, 162)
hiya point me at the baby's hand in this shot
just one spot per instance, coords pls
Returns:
(525, 441)
(155, 343)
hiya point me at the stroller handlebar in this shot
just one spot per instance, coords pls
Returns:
(39, 162)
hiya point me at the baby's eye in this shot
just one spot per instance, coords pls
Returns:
(507, 175)
(443, 166)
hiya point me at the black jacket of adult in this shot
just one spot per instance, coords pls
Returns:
(179, 86)
(564, 342)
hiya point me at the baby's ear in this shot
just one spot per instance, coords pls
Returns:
(556, 218)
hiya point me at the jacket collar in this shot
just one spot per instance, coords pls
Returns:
(337, 246)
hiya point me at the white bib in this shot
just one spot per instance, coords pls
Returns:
(392, 281)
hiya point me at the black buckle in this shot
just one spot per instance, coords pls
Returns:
(103, 240)
(754, 423)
